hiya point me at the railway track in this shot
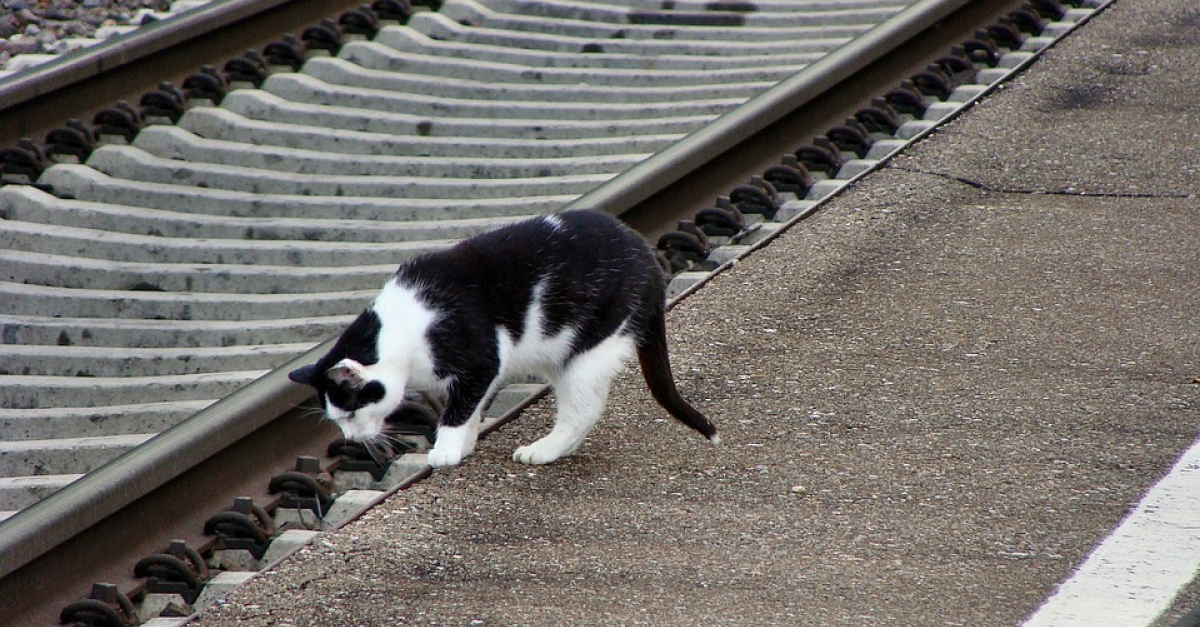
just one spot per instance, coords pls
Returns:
(164, 264)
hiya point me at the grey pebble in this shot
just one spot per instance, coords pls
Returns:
(40, 27)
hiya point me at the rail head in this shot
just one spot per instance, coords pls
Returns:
(43, 526)
(695, 150)
(78, 65)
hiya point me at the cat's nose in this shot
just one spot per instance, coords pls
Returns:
(349, 430)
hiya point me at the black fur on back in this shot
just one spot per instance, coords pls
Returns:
(596, 273)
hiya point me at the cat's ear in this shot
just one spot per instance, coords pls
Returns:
(347, 372)
(305, 376)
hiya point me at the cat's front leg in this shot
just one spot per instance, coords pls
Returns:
(458, 428)
(454, 444)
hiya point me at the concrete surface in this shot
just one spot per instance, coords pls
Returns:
(935, 395)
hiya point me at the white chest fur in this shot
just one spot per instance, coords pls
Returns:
(403, 338)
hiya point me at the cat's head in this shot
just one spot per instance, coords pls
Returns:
(357, 397)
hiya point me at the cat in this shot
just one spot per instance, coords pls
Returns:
(567, 296)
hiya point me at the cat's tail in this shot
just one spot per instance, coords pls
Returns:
(656, 368)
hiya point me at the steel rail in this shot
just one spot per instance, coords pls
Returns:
(41, 528)
(814, 99)
(73, 67)
(666, 167)
(139, 502)
(81, 504)
(42, 97)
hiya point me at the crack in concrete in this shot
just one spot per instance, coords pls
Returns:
(1044, 192)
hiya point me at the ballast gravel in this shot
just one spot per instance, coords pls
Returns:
(50, 26)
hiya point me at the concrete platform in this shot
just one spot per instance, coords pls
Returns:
(936, 396)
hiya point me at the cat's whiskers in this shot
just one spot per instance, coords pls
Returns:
(392, 444)
(381, 447)
(313, 412)
(373, 450)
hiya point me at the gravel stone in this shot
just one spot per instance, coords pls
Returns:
(41, 27)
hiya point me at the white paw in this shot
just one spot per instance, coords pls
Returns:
(441, 458)
(537, 453)
(453, 444)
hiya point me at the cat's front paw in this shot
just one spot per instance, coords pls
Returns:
(452, 446)
(443, 458)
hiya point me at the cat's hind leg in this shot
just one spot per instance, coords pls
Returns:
(581, 390)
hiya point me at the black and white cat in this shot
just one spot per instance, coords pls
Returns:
(568, 296)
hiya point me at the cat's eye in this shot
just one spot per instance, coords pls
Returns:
(353, 399)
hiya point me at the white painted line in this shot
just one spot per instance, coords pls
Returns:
(1135, 573)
